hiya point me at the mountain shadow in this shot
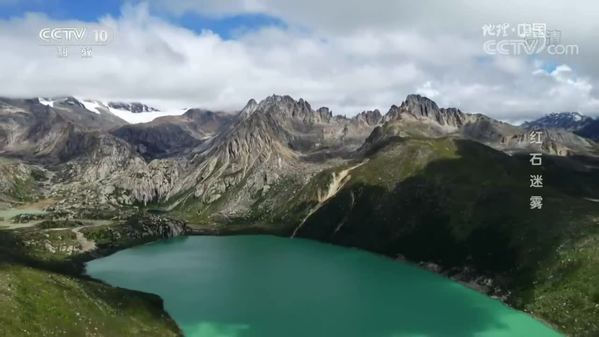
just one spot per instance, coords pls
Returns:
(459, 203)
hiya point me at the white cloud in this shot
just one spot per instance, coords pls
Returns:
(427, 90)
(351, 58)
(563, 84)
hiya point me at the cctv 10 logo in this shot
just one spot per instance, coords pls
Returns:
(75, 36)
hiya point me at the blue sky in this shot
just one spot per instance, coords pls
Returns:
(61, 9)
(227, 27)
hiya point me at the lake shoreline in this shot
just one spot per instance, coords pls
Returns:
(183, 242)
(137, 237)
(465, 276)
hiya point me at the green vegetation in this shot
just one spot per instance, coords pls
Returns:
(288, 201)
(47, 224)
(459, 203)
(40, 303)
(453, 202)
(566, 288)
(43, 291)
(137, 229)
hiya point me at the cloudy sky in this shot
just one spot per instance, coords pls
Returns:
(348, 55)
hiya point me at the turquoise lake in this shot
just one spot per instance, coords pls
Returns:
(264, 286)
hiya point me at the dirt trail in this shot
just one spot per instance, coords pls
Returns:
(86, 245)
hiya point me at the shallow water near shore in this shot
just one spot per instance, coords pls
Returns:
(264, 286)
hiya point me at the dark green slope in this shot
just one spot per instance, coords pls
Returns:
(459, 203)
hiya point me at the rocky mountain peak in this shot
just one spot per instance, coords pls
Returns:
(285, 103)
(134, 107)
(577, 116)
(249, 108)
(199, 114)
(68, 101)
(370, 117)
(284, 107)
(421, 108)
(414, 106)
(324, 113)
(73, 101)
(419, 104)
(571, 121)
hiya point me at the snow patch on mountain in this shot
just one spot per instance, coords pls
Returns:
(46, 101)
(129, 116)
(93, 106)
(144, 117)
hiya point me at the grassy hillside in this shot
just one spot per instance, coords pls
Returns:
(458, 203)
(40, 303)
(453, 202)
(42, 292)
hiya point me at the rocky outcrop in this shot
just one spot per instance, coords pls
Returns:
(370, 117)
(153, 226)
(472, 278)
(420, 108)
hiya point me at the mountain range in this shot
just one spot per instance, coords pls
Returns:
(419, 182)
(571, 121)
(209, 152)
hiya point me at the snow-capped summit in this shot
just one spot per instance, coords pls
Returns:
(131, 112)
(46, 101)
(570, 121)
(67, 100)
